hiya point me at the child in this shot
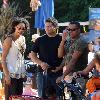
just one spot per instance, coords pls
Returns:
(93, 84)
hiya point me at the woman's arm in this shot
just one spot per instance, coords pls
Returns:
(6, 46)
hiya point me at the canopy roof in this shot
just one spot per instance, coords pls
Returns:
(67, 23)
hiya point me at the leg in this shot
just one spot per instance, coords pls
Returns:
(34, 85)
(7, 91)
(52, 81)
(40, 84)
(19, 90)
(16, 86)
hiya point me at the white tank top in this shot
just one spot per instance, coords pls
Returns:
(15, 62)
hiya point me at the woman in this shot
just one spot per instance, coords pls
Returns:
(13, 60)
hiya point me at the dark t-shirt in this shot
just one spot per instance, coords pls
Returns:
(47, 49)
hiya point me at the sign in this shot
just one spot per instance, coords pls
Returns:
(94, 23)
(94, 18)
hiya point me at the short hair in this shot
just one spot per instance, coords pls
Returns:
(53, 21)
(76, 23)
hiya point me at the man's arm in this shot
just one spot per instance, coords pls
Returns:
(70, 66)
(60, 67)
(36, 60)
(61, 49)
(88, 68)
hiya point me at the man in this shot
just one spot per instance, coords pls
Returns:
(74, 49)
(46, 47)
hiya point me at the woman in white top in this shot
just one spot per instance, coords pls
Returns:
(13, 60)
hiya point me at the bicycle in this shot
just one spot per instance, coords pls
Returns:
(73, 88)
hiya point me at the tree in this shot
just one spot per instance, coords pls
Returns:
(67, 10)
(6, 17)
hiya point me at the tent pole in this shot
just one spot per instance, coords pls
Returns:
(38, 31)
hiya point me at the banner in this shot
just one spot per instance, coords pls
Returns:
(94, 23)
(45, 11)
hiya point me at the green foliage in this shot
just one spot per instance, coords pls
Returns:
(23, 7)
(28, 43)
(67, 10)
(6, 18)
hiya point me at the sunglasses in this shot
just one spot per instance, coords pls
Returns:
(21, 28)
(72, 29)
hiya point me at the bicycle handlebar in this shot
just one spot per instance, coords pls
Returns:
(80, 75)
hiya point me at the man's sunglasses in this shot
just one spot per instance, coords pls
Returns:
(72, 29)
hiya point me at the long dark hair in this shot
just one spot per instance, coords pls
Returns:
(15, 23)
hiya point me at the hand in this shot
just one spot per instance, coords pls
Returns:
(44, 66)
(7, 80)
(75, 75)
(64, 68)
(29, 56)
(58, 80)
(78, 74)
(64, 35)
(56, 70)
